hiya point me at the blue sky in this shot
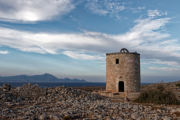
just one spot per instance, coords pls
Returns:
(69, 38)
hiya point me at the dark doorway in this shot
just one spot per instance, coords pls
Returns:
(121, 86)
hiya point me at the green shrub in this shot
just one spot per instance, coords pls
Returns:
(157, 95)
(178, 85)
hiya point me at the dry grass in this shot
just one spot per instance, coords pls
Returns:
(177, 114)
(91, 89)
(158, 95)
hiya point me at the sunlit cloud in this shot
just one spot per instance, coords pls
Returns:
(33, 10)
(83, 56)
(3, 52)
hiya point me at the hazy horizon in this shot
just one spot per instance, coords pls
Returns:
(144, 79)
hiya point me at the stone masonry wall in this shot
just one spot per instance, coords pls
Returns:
(128, 70)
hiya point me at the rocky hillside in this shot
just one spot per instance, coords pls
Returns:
(34, 103)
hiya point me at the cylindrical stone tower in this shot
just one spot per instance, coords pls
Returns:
(123, 72)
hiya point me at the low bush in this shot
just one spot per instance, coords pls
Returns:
(178, 85)
(157, 95)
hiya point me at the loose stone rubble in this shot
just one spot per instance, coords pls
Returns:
(60, 103)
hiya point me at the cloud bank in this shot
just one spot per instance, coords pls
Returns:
(33, 10)
(147, 37)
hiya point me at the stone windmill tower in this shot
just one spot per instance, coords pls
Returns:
(123, 72)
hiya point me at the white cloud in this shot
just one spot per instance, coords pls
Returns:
(95, 8)
(83, 56)
(170, 63)
(155, 13)
(160, 62)
(3, 52)
(146, 37)
(137, 9)
(112, 8)
(164, 69)
(33, 10)
(49, 42)
(106, 7)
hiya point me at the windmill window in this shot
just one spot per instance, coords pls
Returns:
(121, 86)
(117, 61)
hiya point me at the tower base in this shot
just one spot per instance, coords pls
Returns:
(121, 95)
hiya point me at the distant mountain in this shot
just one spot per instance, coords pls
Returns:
(38, 78)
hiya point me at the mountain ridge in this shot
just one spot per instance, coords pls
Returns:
(46, 77)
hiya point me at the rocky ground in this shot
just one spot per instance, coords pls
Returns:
(60, 103)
